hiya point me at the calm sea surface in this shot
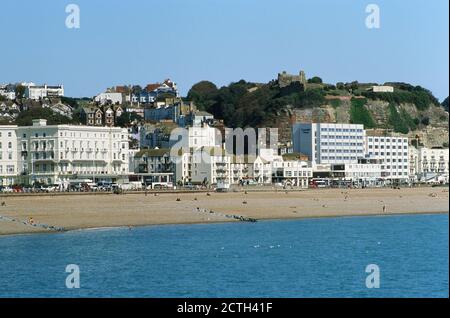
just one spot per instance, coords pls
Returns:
(301, 258)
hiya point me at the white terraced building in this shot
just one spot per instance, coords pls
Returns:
(291, 173)
(393, 155)
(328, 143)
(8, 155)
(429, 164)
(59, 153)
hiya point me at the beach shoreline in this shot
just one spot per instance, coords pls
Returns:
(77, 212)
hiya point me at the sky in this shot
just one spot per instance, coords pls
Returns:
(223, 41)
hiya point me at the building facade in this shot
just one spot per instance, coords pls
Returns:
(8, 155)
(36, 92)
(393, 154)
(327, 143)
(58, 153)
(429, 164)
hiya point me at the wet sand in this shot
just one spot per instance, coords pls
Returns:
(108, 210)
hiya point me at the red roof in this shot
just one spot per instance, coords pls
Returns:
(152, 87)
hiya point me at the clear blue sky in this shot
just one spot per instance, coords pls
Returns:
(139, 42)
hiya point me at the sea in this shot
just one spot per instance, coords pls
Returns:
(373, 256)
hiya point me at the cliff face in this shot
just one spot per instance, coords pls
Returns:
(434, 133)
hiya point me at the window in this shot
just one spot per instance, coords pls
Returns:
(9, 134)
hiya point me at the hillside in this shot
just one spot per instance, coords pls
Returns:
(411, 110)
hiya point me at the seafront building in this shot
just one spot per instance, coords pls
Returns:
(429, 164)
(365, 173)
(56, 154)
(392, 152)
(327, 143)
(8, 155)
(153, 167)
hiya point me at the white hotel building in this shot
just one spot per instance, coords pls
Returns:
(58, 153)
(327, 143)
(393, 155)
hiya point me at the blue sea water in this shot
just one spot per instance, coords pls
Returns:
(324, 257)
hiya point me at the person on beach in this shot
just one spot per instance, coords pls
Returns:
(384, 208)
(31, 221)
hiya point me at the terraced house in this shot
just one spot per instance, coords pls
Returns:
(8, 155)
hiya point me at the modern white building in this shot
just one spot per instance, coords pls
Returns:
(35, 92)
(59, 153)
(393, 154)
(8, 155)
(328, 143)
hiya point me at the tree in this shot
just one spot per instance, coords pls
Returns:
(136, 89)
(25, 118)
(127, 118)
(20, 91)
(203, 94)
(315, 80)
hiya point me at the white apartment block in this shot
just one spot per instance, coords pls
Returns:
(328, 143)
(58, 153)
(210, 165)
(429, 164)
(38, 92)
(8, 155)
(393, 154)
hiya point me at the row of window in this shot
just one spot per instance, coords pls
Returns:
(343, 150)
(387, 147)
(396, 160)
(9, 134)
(8, 169)
(394, 167)
(355, 144)
(10, 156)
(338, 158)
(405, 154)
(341, 137)
(342, 129)
(9, 145)
(388, 139)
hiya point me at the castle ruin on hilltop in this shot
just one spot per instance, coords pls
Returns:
(285, 79)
